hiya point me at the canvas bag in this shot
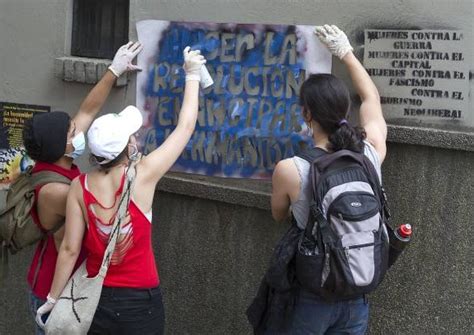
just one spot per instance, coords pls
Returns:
(343, 252)
(75, 308)
(17, 227)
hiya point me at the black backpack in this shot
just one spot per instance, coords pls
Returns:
(343, 252)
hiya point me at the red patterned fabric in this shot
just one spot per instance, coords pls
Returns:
(133, 262)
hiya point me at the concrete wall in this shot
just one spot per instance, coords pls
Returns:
(212, 254)
(211, 265)
(213, 237)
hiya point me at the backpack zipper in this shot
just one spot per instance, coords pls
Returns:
(355, 218)
(358, 246)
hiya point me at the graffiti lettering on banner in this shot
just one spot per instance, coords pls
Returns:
(250, 118)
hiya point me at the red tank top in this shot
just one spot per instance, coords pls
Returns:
(45, 274)
(133, 262)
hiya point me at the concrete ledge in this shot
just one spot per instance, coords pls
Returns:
(84, 70)
(447, 139)
(243, 192)
(256, 193)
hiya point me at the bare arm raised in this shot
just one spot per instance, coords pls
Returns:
(52, 199)
(158, 162)
(371, 116)
(96, 98)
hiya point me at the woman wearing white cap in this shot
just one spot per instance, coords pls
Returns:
(130, 302)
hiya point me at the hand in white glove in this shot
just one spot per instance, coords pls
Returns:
(123, 58)
(334, 39)
(44, 309)
(193, 61)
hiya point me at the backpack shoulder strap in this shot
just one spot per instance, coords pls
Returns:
(16, 191)
(27, 186)
(311, 154)
(377, 186)
(327, 160)
(46, 177)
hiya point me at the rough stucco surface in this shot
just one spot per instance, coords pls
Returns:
(212, 255)
(211, 258)
(430, 288)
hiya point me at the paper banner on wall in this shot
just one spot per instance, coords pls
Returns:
(250, 118)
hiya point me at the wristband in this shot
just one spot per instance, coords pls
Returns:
(50, 299)
(195, 77)
(113, 71)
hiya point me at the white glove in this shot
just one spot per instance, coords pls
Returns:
(334, 39)
(43, 309)
(123, 58)
(193, 61)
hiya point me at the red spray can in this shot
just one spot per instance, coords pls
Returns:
(398, 240)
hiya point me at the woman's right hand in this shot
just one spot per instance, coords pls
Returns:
(44, 309)
(193, 61)
(334, 39)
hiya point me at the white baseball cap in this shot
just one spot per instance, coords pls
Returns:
(109, 134)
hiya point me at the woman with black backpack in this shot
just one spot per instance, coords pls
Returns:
(325, 102)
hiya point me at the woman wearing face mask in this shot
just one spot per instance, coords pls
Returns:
(54, 140)
(130, 302)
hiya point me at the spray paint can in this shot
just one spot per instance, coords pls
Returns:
(206, 79)
(398, 240)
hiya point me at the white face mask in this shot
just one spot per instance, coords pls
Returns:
(308, 130)
(79, 144)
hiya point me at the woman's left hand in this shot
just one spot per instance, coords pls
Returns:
(193, 61)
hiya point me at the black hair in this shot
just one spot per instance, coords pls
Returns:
(31, 145)
(327, 99)
(45, 136)
(107, 166)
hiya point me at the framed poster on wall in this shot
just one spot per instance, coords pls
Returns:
(13, 158)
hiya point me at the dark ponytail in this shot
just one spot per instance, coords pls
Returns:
(347, 137)
(327, 99)
(96, 160)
